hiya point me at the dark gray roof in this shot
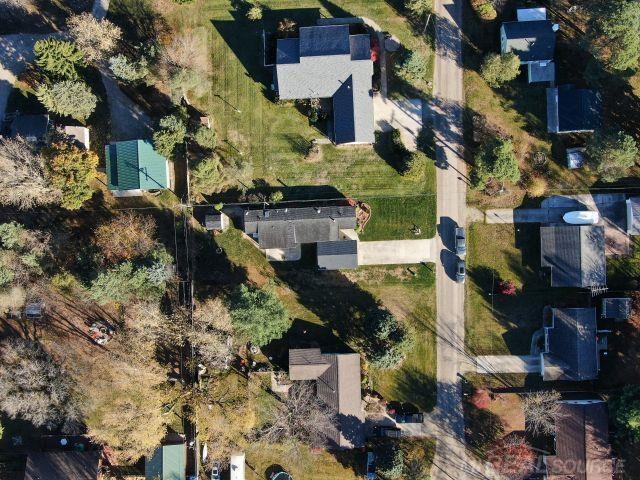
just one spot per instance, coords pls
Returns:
(575, 254)
(287, 227)
(63, 465)
(338, 255)
(539, 72)
(616, 308)
(571, 109)
(30, 126)
(330, 63)
(633, 216)
(288, 51)
(325, 40)
(338, 385)
(571, 348)
(582, 444)
(215, 221)
(531, 41)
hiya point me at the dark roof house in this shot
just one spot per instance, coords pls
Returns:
(582, 449)
(570, 345)
(574, 254)
(337, 377)
(571, 109)
(281, 229)
(33, 128)
(133, 166)
(63, 465)
(327, 62)
(533, 39)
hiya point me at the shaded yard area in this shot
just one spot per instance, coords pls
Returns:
(328, 308)
(39, 16)
(502, 324)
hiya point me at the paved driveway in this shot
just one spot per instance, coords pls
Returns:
(395, 252)
(404, 115)
(507, 364)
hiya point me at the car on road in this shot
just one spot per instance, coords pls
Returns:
(389, 432)
(461, 271)
(409, 418)
(371, 466)
(461, 242)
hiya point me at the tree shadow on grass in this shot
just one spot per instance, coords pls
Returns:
(415, 388)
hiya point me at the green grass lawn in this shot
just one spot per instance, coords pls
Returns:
(323, 305)
(276, 136)
(499, 324)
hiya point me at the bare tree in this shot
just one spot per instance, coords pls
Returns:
(96, 38)
(188, 51)
(34, 387)
(301, 418)
(127, 236)
(541, 410)
(211, 334)
(24, 179)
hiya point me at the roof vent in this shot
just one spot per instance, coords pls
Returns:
(555, 27)
(318, 209)
(246, 213)
(286, 210)
(266, 214)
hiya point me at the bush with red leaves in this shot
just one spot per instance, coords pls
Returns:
(506, 287)
(512, 457)
(481, 399)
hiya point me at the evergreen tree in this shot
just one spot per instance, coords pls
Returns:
(58, 58)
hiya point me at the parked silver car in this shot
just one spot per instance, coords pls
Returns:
(461, 242)
(461, 271)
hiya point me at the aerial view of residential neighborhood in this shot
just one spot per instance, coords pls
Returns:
(319, 239)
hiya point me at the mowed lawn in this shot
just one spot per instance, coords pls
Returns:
(276, 135)
(499, 324)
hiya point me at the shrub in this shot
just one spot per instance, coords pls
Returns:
(126, 237)
(626, 412)
(96, 38)
(500, 69)
(207, 177)
(206, 137)
(72, 171)
(496, 161)
(255, 13)
(58, 58)
(258, 315)
(415, 165)
(128, 70)
(484, 9)
(68, 98)
(537, 187)
(412, 68)
(389, 460)
(612, 154)
(389, 342)
(506, 287)
(276, 196)
(172, 131)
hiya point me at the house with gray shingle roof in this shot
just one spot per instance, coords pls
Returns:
(281, 232)
(338, 378)
(582, 449)
(533, 39)
(574, 255)
(571, 345)
(134, 167)
(633, 215)
(572, 110)
(326, 61)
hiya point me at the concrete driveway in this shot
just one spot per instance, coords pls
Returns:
(507, 364)
(404, 115)
(395, 252)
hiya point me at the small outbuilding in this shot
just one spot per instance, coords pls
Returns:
(217, 221)
(169, 460)
(572, 110)
(134, 167)
(633, 216)
(33, 128)
(618, 309)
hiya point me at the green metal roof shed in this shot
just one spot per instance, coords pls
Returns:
(167, 463)
(135, 165)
